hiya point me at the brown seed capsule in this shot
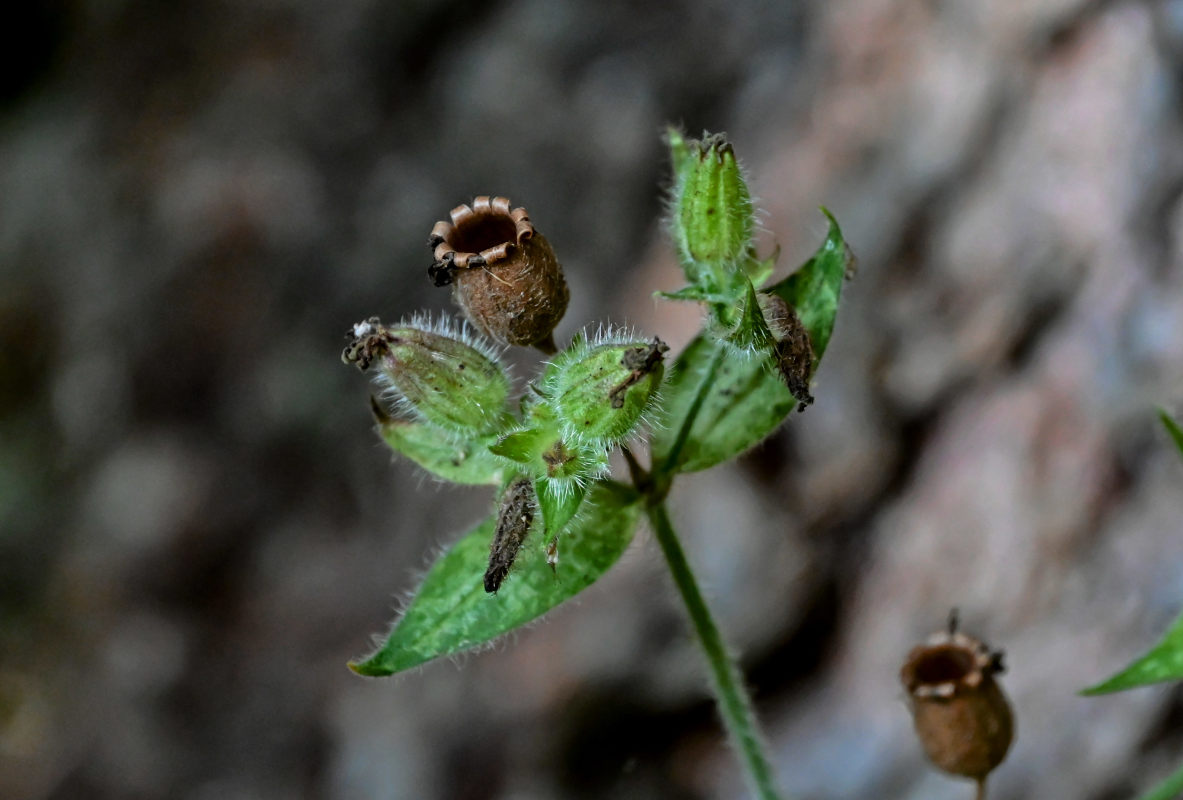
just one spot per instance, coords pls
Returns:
(504, 273)
(961, 715)
(513, 523)
(793, 351)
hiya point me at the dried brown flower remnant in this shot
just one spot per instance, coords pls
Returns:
(961, 715)
(513, 523)
(793, 350)
(504, 273)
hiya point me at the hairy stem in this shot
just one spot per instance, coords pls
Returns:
(734, 705)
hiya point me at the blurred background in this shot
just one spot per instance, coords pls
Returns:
(198, 526)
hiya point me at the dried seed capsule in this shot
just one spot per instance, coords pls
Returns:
(504, 273)
(792, 348)
(600, 393)
(513, 523)
(961, 715)
(440, 374)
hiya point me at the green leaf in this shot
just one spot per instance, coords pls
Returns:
(1169, 789)
(814, 289)
(745, 402)
(523, 446)
(452, 613)
(742, 399)
(760, 270)
(559, 502)
(444, 454)
(1164, 662)
(1172, 428)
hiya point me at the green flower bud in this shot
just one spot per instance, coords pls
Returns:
(600, 392)
(712, 210)
(440, 374)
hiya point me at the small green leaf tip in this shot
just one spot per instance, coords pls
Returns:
(1173, 429)
(438, 373)
(1163, 662)
(601, 392)
(712, 209)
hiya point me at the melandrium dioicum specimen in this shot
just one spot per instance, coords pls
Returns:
(560, 520)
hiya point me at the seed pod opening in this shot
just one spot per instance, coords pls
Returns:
(961, 715)
(503, 272)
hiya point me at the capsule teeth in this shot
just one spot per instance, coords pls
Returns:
(506, 278)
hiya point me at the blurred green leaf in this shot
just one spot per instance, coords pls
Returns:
(1169, 789)
(444, 454)
(1172, 428)
(741, 398)
(1164, 662)
(452, 613)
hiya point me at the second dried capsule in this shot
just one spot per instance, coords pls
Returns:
(961, 716)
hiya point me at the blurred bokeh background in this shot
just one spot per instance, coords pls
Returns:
(197, 524)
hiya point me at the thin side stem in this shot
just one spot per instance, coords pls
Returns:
(734, 704)
(670, 464)
(981, 793)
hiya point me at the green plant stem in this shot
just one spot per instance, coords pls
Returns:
(664, 471)
(734, 705)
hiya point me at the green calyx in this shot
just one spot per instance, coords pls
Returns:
(600, 393)
(712, 217)
(444, 379)
(540, 449)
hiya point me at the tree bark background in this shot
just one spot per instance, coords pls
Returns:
(198, 527)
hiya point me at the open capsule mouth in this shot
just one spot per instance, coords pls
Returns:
(948, 663)
(943, 665)
(480, 234)
(477, 232)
